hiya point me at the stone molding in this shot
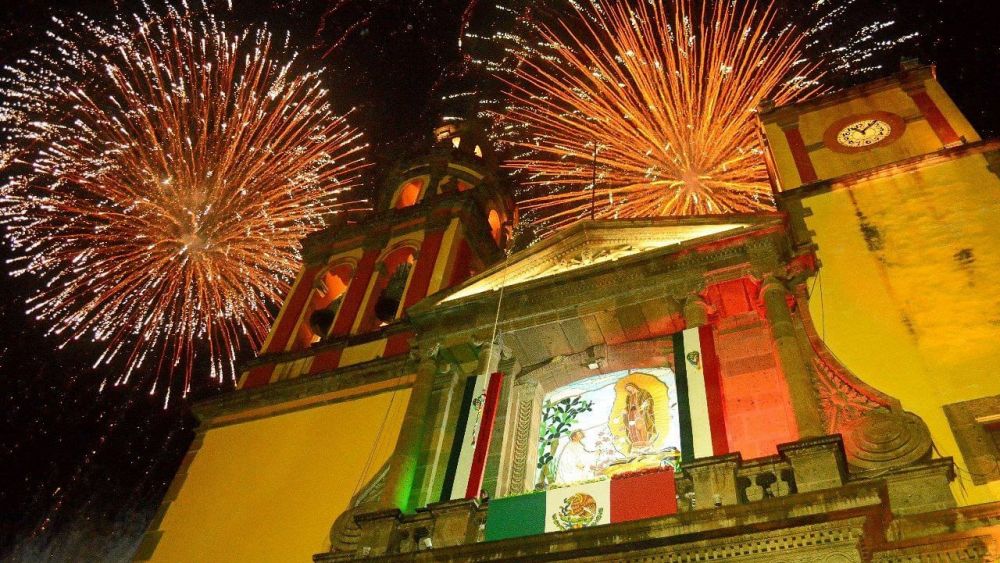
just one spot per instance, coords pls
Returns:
(968, 424)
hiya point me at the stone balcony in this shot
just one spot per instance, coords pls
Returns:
(801, 504)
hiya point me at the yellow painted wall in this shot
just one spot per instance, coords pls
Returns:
(911, 317)
(268, 490)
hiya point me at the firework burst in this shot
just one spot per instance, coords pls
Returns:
(161, 173)
(655, 104)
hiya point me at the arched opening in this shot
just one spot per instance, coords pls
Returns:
(328, 295)
(390, 287)
(496, 225)
(409, 193)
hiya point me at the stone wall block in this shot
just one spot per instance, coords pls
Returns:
(378, 531)
(455, 522)
(818, 464)
(714, 480)
(921, 488)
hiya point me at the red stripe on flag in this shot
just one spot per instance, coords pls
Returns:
(483, 437)
(713, 391)
(646, 495)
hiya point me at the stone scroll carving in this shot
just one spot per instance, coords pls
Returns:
(878, 434)
(345, 532)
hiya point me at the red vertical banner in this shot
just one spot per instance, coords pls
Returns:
(492, 400)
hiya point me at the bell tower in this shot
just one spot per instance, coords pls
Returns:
(440, 219)
(893, 194)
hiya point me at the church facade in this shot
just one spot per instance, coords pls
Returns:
(810, 384)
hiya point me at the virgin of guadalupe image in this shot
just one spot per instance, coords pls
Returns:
(640, 422)
(575, 462)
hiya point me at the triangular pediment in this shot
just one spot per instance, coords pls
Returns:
(591, 243)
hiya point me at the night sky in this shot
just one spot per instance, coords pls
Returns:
(82, 471)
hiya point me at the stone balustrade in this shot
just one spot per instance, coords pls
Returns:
(726, 480)
(812, 469)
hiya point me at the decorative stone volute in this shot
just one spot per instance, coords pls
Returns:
(884, 440)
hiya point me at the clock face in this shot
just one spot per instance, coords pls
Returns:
(864, 133)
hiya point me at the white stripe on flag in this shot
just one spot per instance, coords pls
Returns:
(469, 436)
(701, 428)
(591, 508)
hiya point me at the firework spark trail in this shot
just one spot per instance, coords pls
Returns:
(667, 94)
(848, 52)
(519, 33)
(162, 171)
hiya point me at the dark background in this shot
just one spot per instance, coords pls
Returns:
(82, 471)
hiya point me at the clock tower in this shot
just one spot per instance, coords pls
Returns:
(894, 193)
(862, 128)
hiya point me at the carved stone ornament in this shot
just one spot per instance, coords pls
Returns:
(886, 440)
(345, 532)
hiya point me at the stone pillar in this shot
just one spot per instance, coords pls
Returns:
(714, 480)
(774, 294)
(495, 466)
(377, 532)
(455, 522)
(817, 464)
(517, 470)
(405, 458)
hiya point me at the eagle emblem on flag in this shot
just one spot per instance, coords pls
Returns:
(577, 511)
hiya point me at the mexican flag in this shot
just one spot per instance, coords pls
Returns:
(623, 498)
(699, 394)
(464, 475)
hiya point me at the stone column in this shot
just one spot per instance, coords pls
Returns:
(714, 480)
(495, 466)
(405, 458)
(774, 294)
(695, 312)
(521, 452)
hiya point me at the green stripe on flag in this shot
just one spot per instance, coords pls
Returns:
(513, 517)
(456, 444)
(683, 406)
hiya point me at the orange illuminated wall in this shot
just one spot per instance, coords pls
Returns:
(269, 489)
(756, 403)
(409, 193)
